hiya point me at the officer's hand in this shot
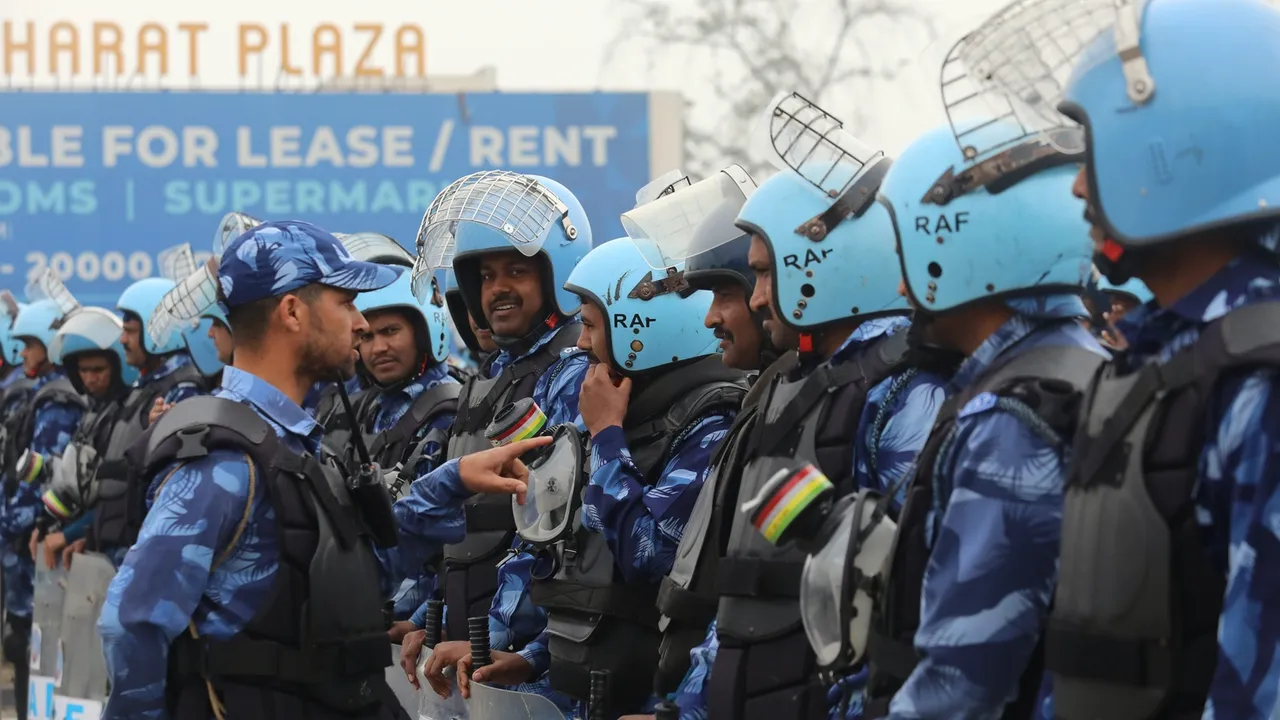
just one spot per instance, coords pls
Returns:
(601, 402)
(445, 656)
(54, 544)
(160, 407)
(498, 471)
(399, 629)
(72, 549)
(1111, 334)
(506, 669)
(33, 542)
(410, 648)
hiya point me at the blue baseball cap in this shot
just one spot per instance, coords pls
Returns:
(279, 257)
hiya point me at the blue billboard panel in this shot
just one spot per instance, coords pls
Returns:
(94, 185)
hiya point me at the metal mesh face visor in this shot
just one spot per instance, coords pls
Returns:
(798, 136)
(664, 229)
(375, 248)
(181, 308)
(94, 327)
(555, 482)
(176, 262)
(517, 206)
(232, 226)
(48, 286)
(1013, 70)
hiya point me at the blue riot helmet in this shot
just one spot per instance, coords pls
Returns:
(831, 243)
(714, 260)
(458, 312)
(177, 264)
(10, 347)
(495, 211)
(38, 321)
(652, 317)
(974, 225)
(142, 299)
(91, 329)
(429, 318)
(1179, 101)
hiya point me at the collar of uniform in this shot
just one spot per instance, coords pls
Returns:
(435, 374)
(870, 330)
(1244, 279)
(1028, 314)
(55, 373)
(504, 358)
(275, 405)
(168, 367)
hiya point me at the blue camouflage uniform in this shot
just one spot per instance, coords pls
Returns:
(999, 487)
(889, 438)
(431, 516)
(1238, 497)
(392, 405)
(54, 425)
(312, 400)
(170, 579)
(171, 364)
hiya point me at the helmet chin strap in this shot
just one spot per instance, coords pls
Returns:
(520, 345)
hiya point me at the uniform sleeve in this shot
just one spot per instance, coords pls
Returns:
(433, 451)
(419, 617)
(691, 696)
(557, 390)
(991, 571)
(537, 654)
(53, 427)
(182, 391)
(164, 575)
(894, 434)
(78, 527)
(1243, 495)
(643, 524)
(514, 620)
(429, 517)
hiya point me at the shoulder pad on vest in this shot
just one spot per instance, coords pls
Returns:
(894, 349)
(783, 365)
(1249, 335)
(59, 391)
(1049, 380)
(433, 400)
(190, 420)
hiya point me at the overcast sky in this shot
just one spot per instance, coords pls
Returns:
(534, 46)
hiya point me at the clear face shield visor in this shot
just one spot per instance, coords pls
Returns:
(553, 497)
(232, 226)
(97, 326)
(670, 227)
(517, 206)
(182, 307)
(375, 248)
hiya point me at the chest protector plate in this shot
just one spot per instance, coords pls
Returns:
(14, 404)
(1133, 630)
(58, 391)
(765, 668)
(471, 573)
(318, 648)
(122, 503)
(687, 597)
(596, 622)
(397, 446)
(1050, 381)
(80, 461)
(338, 424)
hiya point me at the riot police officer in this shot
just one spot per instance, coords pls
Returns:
(510, 272)
(242, 507)
(41, 428)
(1166, 592)
(10, 349)
(477, 341)
(994, 260)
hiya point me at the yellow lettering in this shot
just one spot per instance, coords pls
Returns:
(60, 42)
(362, 67)
(101, 46)
(285, 67)
(193, 54)
(321, 46)
(245, 47)
(147, 45)
(12, 47)
(417, 48)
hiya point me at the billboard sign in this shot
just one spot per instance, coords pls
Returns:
(94, 185)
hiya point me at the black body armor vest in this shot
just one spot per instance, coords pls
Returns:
(1049, 382)
(765, 669)
(1134, 627)
(471, 573)
(122, 495)
(396, 446)
(595, 620)
(318, 648)
(55, 391)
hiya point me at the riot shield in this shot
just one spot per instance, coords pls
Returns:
(491, 703)
(433, 707)
(84, 670)
(46, 620)
(405, 693)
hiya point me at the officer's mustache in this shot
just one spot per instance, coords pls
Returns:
(723, 334)
(511, 298)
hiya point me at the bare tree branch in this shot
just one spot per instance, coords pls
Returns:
(741, 53)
